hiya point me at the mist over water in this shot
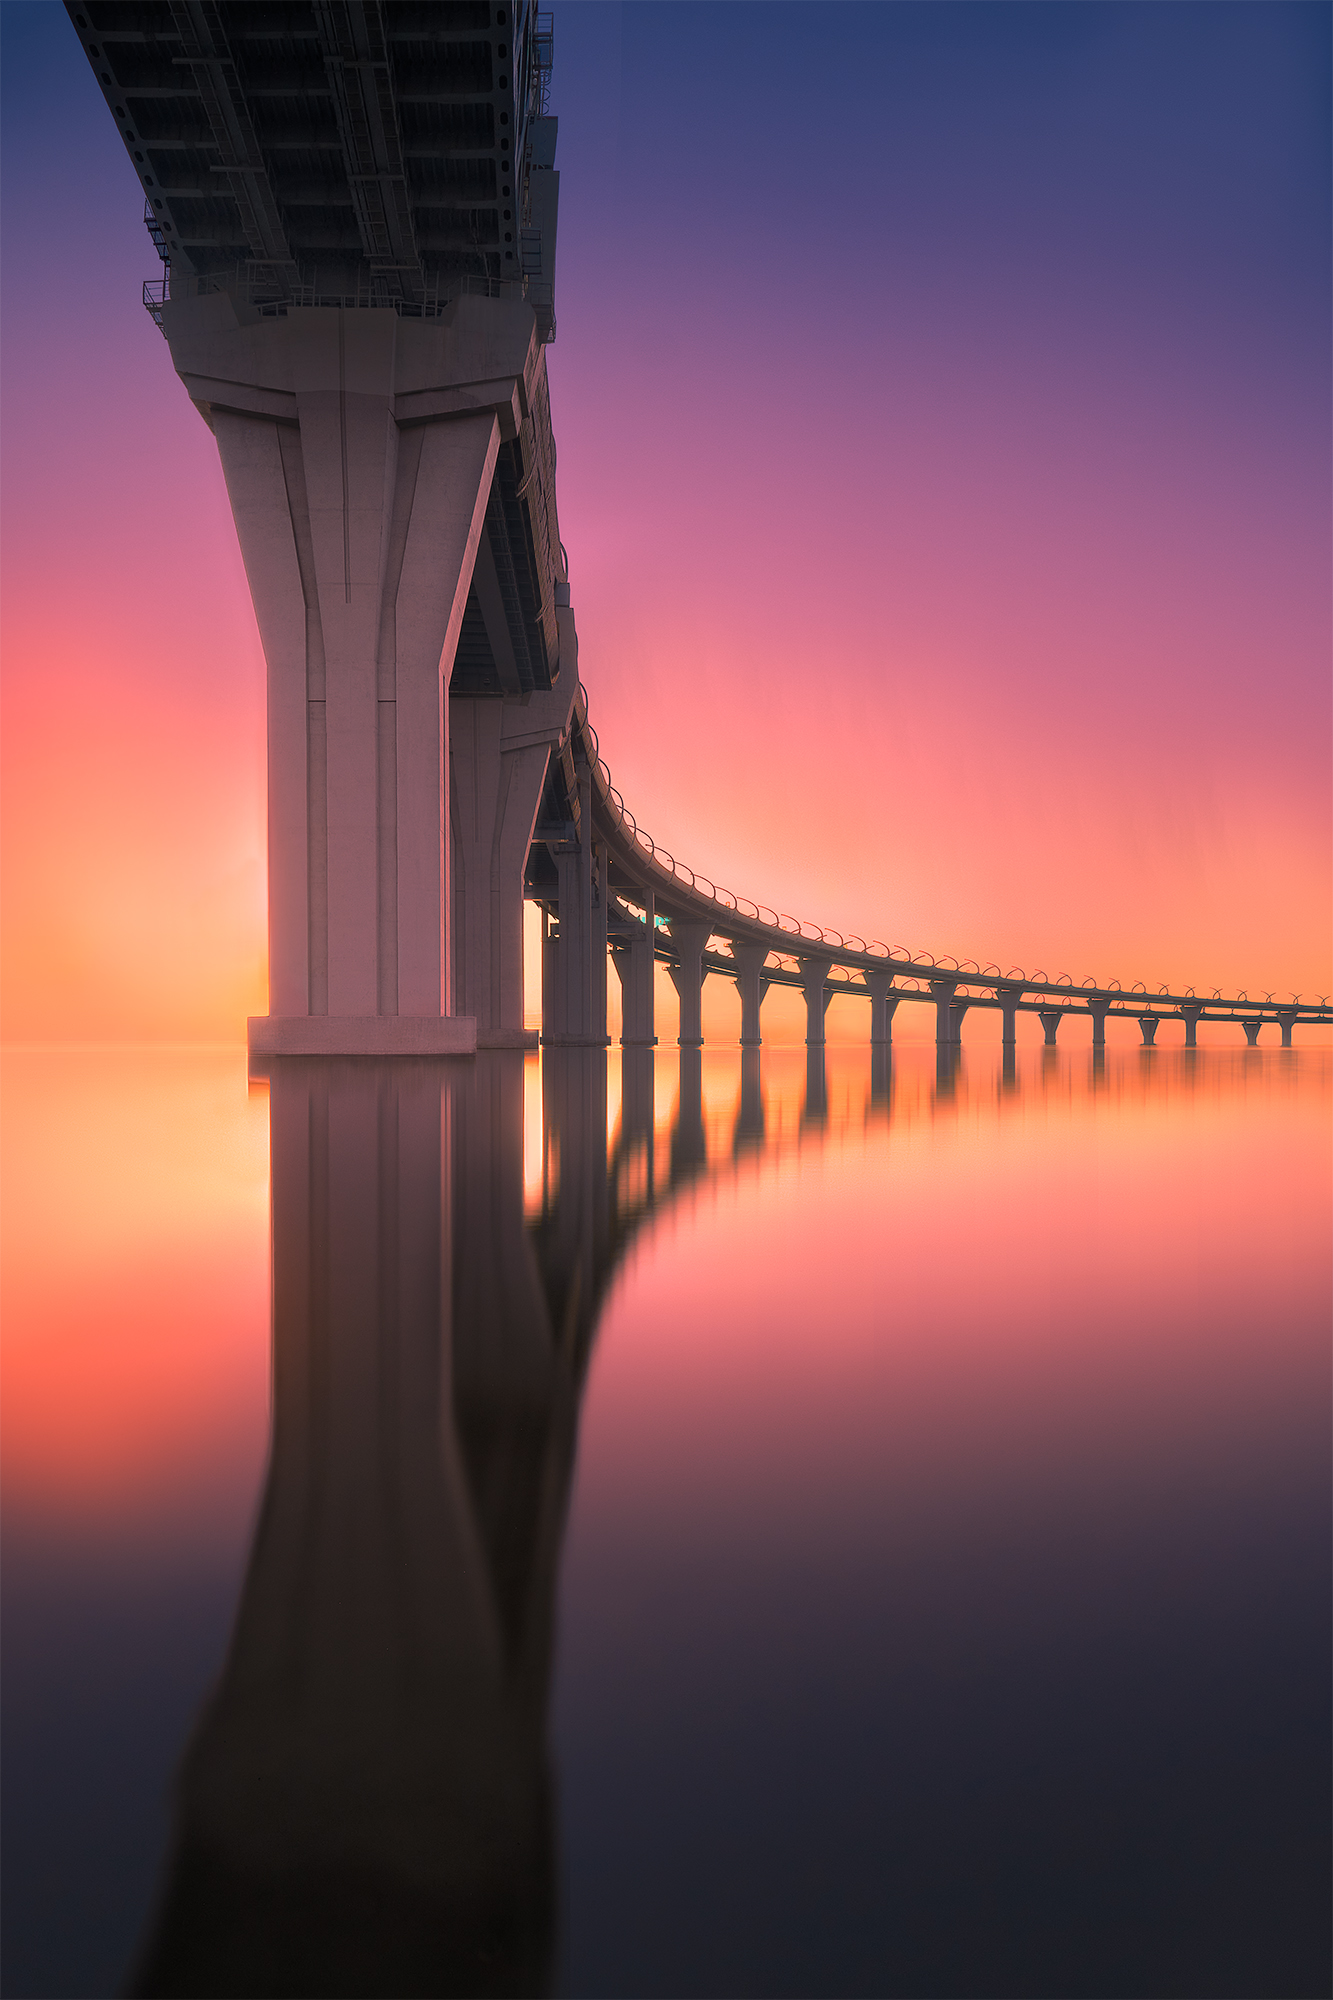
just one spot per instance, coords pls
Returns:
(671, 1522)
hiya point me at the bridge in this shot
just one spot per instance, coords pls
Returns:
(354, 204)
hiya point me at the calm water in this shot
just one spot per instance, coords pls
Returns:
(697, 1528)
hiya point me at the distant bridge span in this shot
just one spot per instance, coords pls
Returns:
(655, 909)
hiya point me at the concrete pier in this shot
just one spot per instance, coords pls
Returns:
(957, 1012)
(1148, 1026)
(1286, 1020)
(1050, 1018)
(690, 941)
(1190, 1016)
(942, 992)
(1252, 1032)
(750, 960)
(635, 965)
(359, 473)
(1099, 1009)
(1008, 997)
(498, 754)
(814, 977)
(883, 1006)
(575, 950)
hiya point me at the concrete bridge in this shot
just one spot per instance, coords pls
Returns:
(354, 203)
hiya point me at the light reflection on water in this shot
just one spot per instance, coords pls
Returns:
(731, 1523)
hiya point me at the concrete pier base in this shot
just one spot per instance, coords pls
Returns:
(1050, 1018)
(1099, 1009)
(957, 1012)
(364, 1035)
(1252, 1032)
(1148, 1026)
(1190, 1016)
(1286, 1022)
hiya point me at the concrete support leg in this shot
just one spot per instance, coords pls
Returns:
(1008, 997)
(750, 959)
(687, 976)
(498, 754)
(942, 992)
(814, 978)
(1190, 1016)
(574, 958)
(956, 1013)
(635, 963)
(1252, 1032)
(1148, 1025)
(1050, 1018)
(883, 1006)
(359, 541)
(1099, 1009)
(1286, 1022)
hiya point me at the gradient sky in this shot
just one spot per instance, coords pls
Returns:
(942, 399)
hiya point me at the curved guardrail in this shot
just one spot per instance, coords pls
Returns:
(742, 920)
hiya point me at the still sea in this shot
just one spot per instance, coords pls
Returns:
(668, 1523)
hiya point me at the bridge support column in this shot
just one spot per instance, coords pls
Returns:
(753, 986)
(1050, 1018)
(1287, 1021)
(498, 754)
(574, 958)
(1190, 1016)
(883, 1006)
(690, 940)
(1252, 1032)
(1008, 997)
(1148, 1024)
(359, 540)
(942, 992)
(956, 1012)
(635, 962)
(1099, 1009)
(814, 977)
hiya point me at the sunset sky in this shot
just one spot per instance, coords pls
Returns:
(942, 402)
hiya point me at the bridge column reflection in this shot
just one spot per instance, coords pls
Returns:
(365, 1805)
(749, 1130)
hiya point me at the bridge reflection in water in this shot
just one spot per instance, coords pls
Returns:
(367, 1804)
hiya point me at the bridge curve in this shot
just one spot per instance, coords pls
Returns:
(655, 908)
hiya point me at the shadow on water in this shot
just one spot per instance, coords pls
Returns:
(366, 1804)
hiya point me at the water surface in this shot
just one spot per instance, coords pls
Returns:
(691, 1524)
